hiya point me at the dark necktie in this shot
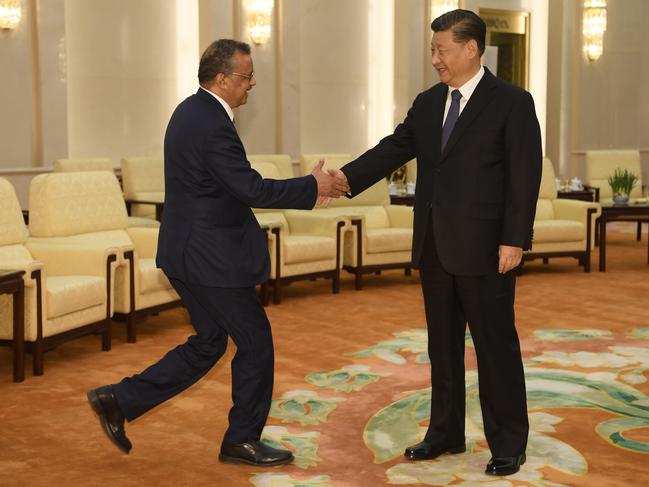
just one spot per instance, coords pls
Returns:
(451, 117)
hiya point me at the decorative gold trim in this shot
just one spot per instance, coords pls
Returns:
(37, 104)
(279, 65)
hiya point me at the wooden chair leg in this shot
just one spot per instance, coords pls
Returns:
(37, 352)
(639, 232)
(335, 284)
(131, 333)
(546, 260)
(358, 280)
(106, 335)
(277, 291)
(408, 271)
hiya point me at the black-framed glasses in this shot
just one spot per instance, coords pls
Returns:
(249, 77)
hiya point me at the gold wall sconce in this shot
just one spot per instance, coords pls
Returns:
(10, 14)
(593, 28)
(260, 18)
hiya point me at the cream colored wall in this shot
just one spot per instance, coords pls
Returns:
(604, 104)
(122, 76)
(16, 88)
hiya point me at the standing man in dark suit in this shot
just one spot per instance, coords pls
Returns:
(214, 253)
(478, 148)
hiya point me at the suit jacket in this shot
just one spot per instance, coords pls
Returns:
(209, 234)
(481, 190)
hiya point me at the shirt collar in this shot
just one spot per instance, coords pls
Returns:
(222, 102)
(469, 87)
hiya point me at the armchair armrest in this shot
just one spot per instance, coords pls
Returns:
(29, 266)
(64, 259)
(145, 240)
(574, 209)
(307, 223)
(400, 216)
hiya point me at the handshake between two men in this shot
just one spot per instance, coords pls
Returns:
(331, 184)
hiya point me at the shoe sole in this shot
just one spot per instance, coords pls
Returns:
(452, 451)
(96, 406)
(235, 460)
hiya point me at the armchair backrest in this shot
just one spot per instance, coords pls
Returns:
(547, 192)
(142, 175)
(281, 161)
(82, 165)
(64, 204)
(600, 164)
(12, 225)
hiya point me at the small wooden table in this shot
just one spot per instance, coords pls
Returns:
(402, 199)
(11, 282)
(583, 195)
(613, 211)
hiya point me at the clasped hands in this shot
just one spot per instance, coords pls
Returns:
(331, 184)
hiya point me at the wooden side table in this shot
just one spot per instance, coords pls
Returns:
(402, 199)
(583, 195)
(612, 212)
(11, 282)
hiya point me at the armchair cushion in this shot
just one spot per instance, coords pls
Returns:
(558, 231)
(307, 248)
(12, 225)
(66, 294)
(388, 240)
(152, 278)
(282, 162)
(83, 165)
(63, 204)
(142, 175)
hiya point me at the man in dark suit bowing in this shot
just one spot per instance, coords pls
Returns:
(478, 148)
(214, 253)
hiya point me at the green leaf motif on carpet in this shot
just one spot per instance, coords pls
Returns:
(282, 480)
(304, 446)
(303, 407)
(639, 333)
(555, 335)
(347, 379)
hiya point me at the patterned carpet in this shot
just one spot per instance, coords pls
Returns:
(352, 390)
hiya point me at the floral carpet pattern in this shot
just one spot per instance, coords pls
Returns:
(557, 381)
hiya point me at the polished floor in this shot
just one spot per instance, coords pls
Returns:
(350, 393)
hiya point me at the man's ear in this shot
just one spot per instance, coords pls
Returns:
(472, 47)
(219, 79)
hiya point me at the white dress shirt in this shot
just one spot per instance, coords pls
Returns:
(466, 90)
(222, 102)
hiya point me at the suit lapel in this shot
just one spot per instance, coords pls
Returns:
(479, 99)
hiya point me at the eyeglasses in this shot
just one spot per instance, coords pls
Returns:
(249, 77)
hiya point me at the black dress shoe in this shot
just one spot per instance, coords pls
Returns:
(254, 453)
(103, 402)
(505, 465)
(427, 451)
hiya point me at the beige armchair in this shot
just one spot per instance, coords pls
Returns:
(88, 206)
(100, 164)
(380, 234)
(302, 244)
(68, 287)
(562, 227)
(282, 162)
(600, 164)
(143, 179)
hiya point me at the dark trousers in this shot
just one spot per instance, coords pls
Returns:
(215, 313)
(487, 304)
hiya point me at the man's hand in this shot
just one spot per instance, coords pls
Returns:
(509, 258)
(340, 177)
(328, 185)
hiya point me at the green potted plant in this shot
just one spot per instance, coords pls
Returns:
(622, 182)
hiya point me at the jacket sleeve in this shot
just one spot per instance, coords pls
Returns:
(387, 156)
(523, 163)
(226, 162)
